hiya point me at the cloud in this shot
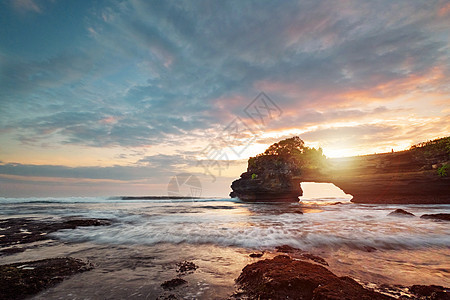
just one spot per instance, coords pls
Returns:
(147, 168)
(26, 5)
(152, 73)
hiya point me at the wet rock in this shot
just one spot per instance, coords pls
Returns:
(285, 278)
(315, 258)
(173, 283)
(22, 230)
(434, 292)
(74, 223)
(20, 280)
(12, 250)
(169, 297)
(298, 211)
(442, 217)
(401, 212)
(287, 249)
(186, 267)
(254, 255)
(369, 249)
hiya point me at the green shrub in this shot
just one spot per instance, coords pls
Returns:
(442, 171)
(251, 162)
(254, 176)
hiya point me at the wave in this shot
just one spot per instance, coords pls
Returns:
(254, 237)
(116, 199)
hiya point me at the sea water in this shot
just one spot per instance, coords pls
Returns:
(360, 240)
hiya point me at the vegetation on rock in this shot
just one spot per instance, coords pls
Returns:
(432, 151)
(294, 149)
(443, 171)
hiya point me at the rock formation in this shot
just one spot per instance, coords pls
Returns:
(268, 178)
(415, 176)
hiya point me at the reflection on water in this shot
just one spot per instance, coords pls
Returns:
(148, 237)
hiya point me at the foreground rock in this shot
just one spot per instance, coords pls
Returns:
(21, 280)
(441, 217)
(19, 231)
(285, 278)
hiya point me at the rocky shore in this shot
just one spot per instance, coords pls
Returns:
(293, 277)
(20, 280)
(17, 233)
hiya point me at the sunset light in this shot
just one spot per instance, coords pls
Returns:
(210, 149)
(129, 87)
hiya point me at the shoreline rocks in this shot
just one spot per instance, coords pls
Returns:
(21, 280)
(439, 217)
(20, 231)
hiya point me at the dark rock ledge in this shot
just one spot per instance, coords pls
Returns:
(20, 280)
(16, 232)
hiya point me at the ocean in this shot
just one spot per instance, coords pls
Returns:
(139, 251)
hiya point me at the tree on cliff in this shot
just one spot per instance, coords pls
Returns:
(294, 149)
(288, 147)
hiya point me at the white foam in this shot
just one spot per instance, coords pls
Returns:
(257, 226)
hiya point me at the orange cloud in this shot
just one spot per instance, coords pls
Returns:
(427, 83)
(109, 120)
(66, 179)
(444, 10)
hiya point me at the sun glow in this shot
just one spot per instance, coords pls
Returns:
(335, 152)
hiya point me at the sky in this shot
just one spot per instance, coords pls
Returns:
(104, 97)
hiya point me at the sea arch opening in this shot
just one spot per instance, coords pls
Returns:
(323, 192)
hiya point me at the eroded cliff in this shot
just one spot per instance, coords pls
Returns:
(418, 175)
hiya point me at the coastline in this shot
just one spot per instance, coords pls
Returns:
(128, 266)
(138, 272)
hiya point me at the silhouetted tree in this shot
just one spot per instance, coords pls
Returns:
(294, 149)
(289, 147)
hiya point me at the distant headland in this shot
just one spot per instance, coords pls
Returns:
(420, 175)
